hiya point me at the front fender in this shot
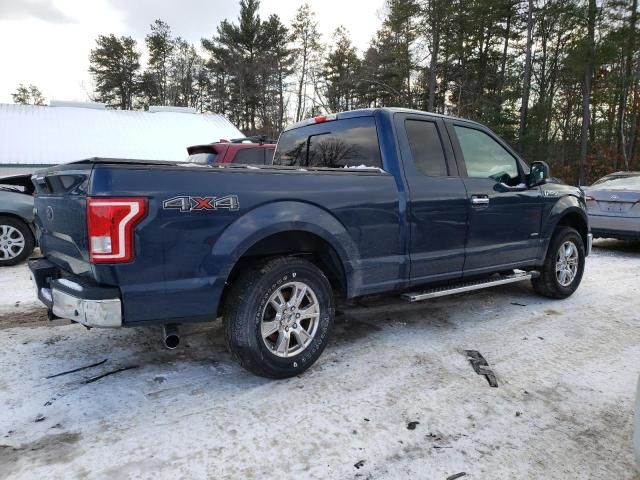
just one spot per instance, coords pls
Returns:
(566, 205)
(279, 217)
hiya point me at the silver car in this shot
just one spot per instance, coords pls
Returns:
(17, 233)
(636, 433)
(613, 205)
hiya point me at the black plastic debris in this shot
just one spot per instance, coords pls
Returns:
(359, 465)
(457, 475)
(481, 366)
(412, 425)
(76, 369)
(118, 370)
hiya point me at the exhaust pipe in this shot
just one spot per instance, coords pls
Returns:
(171, 336)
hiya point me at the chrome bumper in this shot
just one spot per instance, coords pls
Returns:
(74, 298)
(589, 243)
(92, 313)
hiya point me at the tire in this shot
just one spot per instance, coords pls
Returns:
(16, 241)
(551, 283)
(285, 350)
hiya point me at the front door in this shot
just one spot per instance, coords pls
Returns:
(504, 214)
(437, 208)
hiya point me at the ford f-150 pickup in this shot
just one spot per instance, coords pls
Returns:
(356, 203)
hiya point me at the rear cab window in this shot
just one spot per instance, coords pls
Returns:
(342, 143)
(202, 158)
(250, 156)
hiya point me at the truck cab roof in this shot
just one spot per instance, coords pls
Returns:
(369, 112)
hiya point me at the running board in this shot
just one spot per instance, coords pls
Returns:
(517, 276)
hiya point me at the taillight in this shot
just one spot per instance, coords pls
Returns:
(110, 223)
(589, 198)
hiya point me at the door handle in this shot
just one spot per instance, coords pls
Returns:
(480, 200)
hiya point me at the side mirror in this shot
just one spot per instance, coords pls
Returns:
(539, 173)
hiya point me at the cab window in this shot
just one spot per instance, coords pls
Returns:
(250, 156)
(351, 142)
(486, 158)
(426, 148)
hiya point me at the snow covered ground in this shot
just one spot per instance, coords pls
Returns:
(566, 370)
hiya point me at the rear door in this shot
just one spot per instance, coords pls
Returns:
(438, 200)
(504, 215)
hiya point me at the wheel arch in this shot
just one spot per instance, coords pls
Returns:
(287, 228)
(567, 213)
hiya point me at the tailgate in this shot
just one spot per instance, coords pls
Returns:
(60, 215)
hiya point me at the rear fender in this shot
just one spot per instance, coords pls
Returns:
(279, 217)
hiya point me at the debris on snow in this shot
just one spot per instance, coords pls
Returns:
(481, 366)
(118, 370)
(76, 369)
(457, 475)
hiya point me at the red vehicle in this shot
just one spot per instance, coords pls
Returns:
(243, 151)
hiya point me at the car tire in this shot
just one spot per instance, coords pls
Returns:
(268, 330)
(14, 233)
(563, 266)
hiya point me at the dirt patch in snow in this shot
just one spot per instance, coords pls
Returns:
(47, 450)
(24, 318)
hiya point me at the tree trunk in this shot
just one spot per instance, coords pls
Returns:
(526, 82)
(586, 93)
(301, 84)
(626, 80)
(503, 62)
(433, 64)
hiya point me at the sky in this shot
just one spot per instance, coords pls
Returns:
(47, 42)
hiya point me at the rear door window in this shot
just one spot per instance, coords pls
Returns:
(352, 142)
(426, 148)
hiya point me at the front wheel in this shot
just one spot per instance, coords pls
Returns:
(563, 266)
(278, 317)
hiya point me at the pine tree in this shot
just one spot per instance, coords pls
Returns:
(115, 65)
(340, 73)
(28, 95)
(160, 45)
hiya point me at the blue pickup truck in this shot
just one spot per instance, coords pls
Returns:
(357, 203)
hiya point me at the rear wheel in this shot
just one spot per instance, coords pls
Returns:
(16, 241)
(278, 317)
(563, 267)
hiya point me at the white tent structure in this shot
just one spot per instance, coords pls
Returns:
(35, 136)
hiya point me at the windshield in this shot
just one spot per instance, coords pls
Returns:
(619, 182)
(203, 158)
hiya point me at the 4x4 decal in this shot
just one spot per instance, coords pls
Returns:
(190, 204)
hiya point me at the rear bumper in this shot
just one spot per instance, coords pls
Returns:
(75, 299)
(603, 226)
